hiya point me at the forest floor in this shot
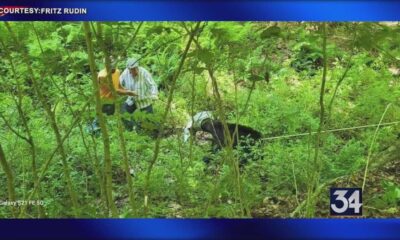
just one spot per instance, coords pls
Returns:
(377, 191)
(377, 198)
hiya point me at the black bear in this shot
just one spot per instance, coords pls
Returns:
(216, 129)
(248, 137)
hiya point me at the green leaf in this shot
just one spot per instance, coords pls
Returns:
(204, 55)
(273, 31)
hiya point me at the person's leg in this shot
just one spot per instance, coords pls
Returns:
(139, 119)
(152, 125)
(148, 109)
(95, 124)
(93, 128)
(126, 109)
(107, 109)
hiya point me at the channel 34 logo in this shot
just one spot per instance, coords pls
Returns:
(346, 202)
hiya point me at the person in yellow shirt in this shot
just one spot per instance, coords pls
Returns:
(105, 92)
(107, 95)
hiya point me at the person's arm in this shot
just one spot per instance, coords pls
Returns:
(186, 134)
(152, 86)
(126, 92)
(122, 89)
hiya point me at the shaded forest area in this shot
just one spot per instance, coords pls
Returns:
(324, 96)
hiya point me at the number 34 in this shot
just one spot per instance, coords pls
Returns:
(352, 202)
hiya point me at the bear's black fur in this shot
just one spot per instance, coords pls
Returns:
(248, 137)
(216, 129)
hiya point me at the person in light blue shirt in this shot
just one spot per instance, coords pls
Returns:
(138, 80)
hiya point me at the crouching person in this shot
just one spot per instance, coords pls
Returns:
(107, 95)
(138, 80)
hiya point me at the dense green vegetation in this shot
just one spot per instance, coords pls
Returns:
(278, 78)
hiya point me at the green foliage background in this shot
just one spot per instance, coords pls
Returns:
(279, 64)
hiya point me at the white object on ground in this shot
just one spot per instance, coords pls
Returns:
(195, 123)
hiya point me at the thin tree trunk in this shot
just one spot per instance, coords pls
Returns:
(98, 173)
(48, 161)
(29, 139)
(120, 127)
(317, 164)
(52, 121)
(10, 180)
(103, 123)
(193, 98)
(228, 138)
(165, 114)
(336, 90)
(229, 142)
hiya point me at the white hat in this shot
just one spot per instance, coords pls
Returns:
(132, 63)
